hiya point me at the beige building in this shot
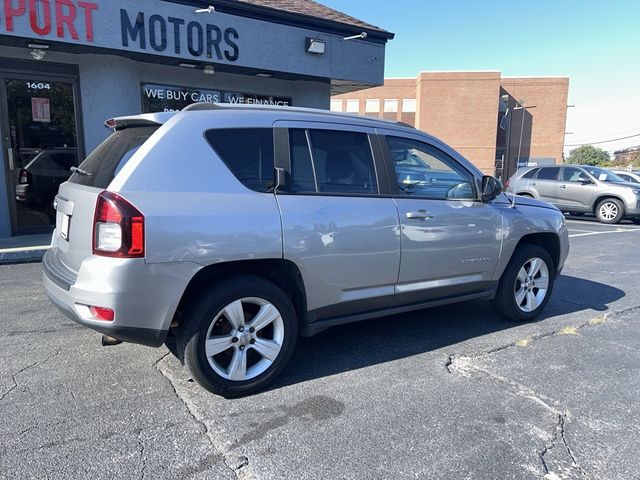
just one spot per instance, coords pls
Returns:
(467, 109)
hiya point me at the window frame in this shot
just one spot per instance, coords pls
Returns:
(283, 155)
(393, 176)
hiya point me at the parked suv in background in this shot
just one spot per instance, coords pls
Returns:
(580, 189)
(234, 229)
(628, 176)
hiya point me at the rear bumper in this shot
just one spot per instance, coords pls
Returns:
(143, 296)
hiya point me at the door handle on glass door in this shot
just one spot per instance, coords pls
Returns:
(419, 215)
(10, 158)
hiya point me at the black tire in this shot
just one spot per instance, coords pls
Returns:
(198, 317)
(505, 300)
(611, 203)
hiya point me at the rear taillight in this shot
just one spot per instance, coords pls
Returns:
(118, 228)
(25, 177)
(506, 183)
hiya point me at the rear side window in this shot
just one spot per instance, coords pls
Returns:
(107, 160)
(548, 174)
(531, 173)
(331, 161)
(248, 153)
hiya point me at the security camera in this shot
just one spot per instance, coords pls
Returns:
(38, 53)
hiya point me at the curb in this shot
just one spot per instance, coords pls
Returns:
(10, 256)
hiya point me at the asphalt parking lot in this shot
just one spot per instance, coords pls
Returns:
(453, 392)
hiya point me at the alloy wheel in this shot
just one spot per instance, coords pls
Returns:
(532, 284)
(244, 339)
(608, 211)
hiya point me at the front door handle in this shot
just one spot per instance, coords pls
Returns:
(419, 215)
(563, 186)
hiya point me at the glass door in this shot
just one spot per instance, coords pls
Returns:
(40, 134)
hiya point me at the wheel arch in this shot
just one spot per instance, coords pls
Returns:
(549, 241)
(606, 196)
(283, 273)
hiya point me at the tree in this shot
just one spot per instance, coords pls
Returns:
(588, 155)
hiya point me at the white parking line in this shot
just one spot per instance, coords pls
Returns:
(602, 233)
(597, 224)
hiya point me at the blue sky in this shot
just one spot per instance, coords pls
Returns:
(595, 43)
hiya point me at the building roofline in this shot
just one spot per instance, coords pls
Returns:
(274, 15)
(535, 76)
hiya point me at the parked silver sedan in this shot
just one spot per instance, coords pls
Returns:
(580, 189)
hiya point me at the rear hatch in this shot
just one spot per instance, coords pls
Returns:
(76, 199)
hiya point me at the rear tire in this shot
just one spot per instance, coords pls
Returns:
(526, 284)
(238, 335)
(609, 210)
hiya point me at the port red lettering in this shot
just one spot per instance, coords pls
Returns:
(10, 11)
(66, 18)
(88, 18)
(33, 15)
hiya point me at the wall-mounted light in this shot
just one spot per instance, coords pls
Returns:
(39, 50)
(315, 46)
(209, 70)
(209, 9)
(187, 65)
(360, 36)
(264, 75)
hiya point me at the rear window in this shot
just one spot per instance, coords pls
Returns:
(107, 160)
(248, 153)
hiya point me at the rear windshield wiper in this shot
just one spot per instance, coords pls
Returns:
(81, 171)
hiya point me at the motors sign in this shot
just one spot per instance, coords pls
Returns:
(76, 21)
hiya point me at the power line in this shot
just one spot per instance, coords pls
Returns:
(603, 141)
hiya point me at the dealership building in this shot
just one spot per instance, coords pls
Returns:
(496, 122)
(68, 65)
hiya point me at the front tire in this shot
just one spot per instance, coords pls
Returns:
(238, 336)
(610, 210)
(526, 284)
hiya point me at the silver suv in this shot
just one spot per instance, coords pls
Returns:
(580, 189)
(232, 230)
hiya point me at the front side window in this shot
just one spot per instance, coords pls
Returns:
(571, 174)
(425, 171)
(331, 161)
(248, 153)
(550, 173)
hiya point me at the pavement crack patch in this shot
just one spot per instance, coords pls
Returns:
(235, 463)
(14, 376)
(143, 458)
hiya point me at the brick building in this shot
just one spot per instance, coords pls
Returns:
(466, 110)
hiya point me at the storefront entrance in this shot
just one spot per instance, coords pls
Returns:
(40, 138)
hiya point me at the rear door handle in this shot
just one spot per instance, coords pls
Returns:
(419, 215)
(563, 186)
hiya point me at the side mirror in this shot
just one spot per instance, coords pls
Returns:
(585, 181)
(491, 188)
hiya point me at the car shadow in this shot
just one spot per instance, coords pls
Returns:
(363, 344)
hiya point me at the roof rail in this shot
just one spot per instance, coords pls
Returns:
(204, 106)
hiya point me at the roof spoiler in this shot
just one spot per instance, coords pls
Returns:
(145, 120)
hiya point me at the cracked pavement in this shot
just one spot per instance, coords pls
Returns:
(453, 392)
